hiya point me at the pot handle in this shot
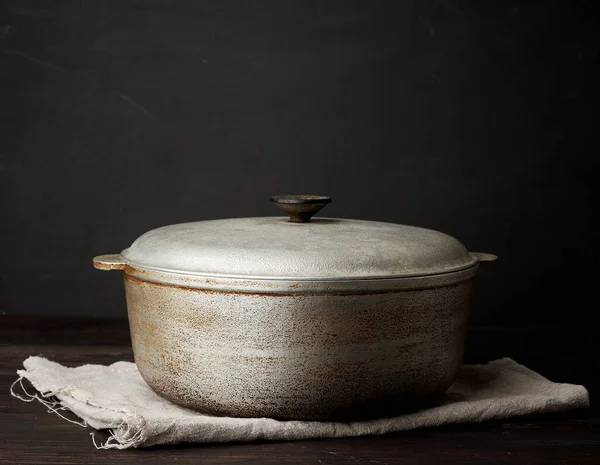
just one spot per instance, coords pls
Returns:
(484, 257)
(109, 262)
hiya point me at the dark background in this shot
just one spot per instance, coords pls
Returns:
(476, 118)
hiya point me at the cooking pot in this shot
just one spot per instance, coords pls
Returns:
(296, 318)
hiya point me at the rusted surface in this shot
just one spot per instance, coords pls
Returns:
(297, 356)
(290, 288)
(109, 262)
(133, 277)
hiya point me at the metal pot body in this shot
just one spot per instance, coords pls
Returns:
(304, 353)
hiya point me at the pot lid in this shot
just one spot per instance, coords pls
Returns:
(298, 248)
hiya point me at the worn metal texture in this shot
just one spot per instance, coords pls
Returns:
(274, 248)
(297, 356)
(109, 262)
(290, 286)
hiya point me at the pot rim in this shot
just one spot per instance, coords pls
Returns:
(246, 285)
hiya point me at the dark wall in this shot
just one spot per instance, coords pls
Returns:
(475, 118)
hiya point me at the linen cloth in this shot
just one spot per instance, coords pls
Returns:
(116, 398)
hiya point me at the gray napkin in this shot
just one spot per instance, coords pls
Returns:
(116, 398)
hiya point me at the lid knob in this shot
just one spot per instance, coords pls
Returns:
(300, 208)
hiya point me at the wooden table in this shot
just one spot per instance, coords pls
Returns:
(29, 435)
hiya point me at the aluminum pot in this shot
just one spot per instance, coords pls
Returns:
(293, 318)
